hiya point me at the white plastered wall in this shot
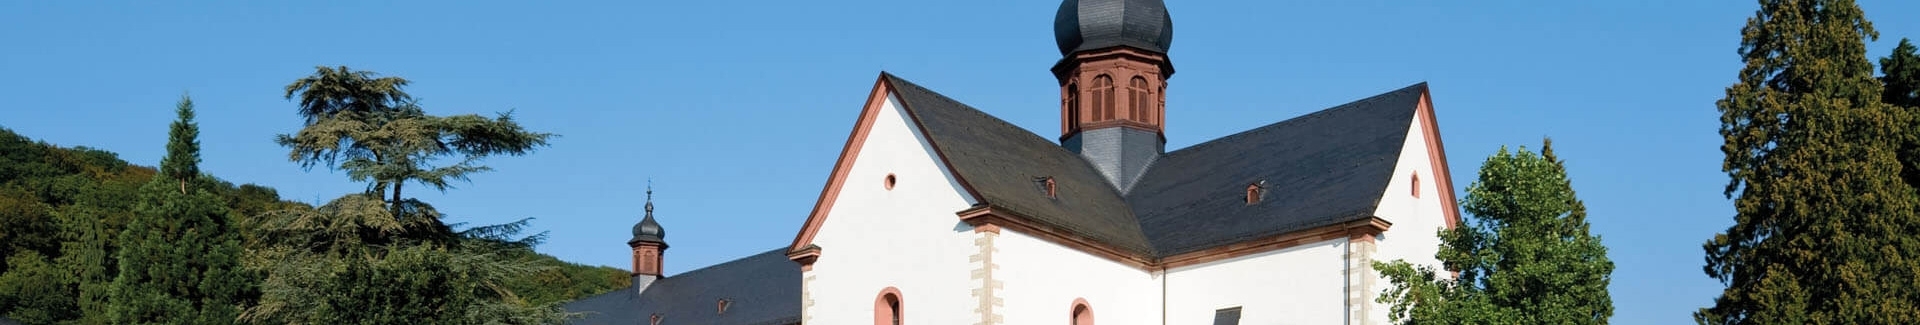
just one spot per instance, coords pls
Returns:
(1295, 285)
(907, 237)
(1043, 279)
(1416, 221)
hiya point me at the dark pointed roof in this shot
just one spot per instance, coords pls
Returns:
(1323, 168)
(1006, 165)
(763, 289)
(648, 230)
(1083, 25)
(1319, 169)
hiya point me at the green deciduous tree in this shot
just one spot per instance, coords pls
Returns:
(1824, 222)
(180, 257)
(1527, 257)
(35, 291)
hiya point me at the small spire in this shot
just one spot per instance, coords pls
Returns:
(648, 230)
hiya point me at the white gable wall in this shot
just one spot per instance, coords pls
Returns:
(1416, 221)
(1297, 285)
(908, 237)
(1042, 280)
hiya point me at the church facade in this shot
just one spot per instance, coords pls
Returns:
(939, 213)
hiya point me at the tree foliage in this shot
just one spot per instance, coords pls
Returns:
(180, 255)
(1528, 257)
(375, 132)
(1900, 73)
(370, 258)
(1824, 218)
(76, 217)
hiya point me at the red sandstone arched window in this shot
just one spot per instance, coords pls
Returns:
(1137, 97)
(1073, 106)
(1416, 185)
(887, 308)
(1103, 98)
(1160, 101)
(1082, 314)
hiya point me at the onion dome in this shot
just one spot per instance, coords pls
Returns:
(1083, 25)
(648, 230)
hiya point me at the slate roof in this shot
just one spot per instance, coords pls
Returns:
(1082, 25)
(1322, 168)
(764, 290)
(1004, 163)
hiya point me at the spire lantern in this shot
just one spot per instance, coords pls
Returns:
(649, 242)
(1113, 80)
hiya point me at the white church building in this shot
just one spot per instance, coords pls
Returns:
(939, 213)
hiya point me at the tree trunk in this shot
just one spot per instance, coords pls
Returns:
(396, 197)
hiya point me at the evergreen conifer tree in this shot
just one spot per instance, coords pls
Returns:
(1824, 223)
(180, 257)
(1900, 73)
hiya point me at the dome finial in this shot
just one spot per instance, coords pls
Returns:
(1084, 25)
(648, 230)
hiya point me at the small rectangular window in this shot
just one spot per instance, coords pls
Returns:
(1227, 316)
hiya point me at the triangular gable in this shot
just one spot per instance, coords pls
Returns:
(1437, 156)
(876, 100)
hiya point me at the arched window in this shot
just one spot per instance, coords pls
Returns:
(1082, 314)
(887, 308)
(1416, 185)
(1160, 101)
(1137, 97)
(1073, 106)
(1103, 98)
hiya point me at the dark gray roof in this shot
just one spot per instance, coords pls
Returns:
(648, 230)
(1004, 164)
(7, 321)
(1323, 168)
(764, 289)
(1082, 25)
(1227, 316)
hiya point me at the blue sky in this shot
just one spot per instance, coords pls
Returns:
(737, 109)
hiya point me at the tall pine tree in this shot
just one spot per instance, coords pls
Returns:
(1824, 223)
(180, 257)
(1900, 72)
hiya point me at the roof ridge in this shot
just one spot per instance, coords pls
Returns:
(1315, 114)
(910, 90)
(782, 251)
(969, 109)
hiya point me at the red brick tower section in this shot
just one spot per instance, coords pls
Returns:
(1113, 87)
(646, 258)
(1113, 74)
(649, 243)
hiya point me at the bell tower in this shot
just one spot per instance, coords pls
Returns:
(1113, 75)
(649, 245)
